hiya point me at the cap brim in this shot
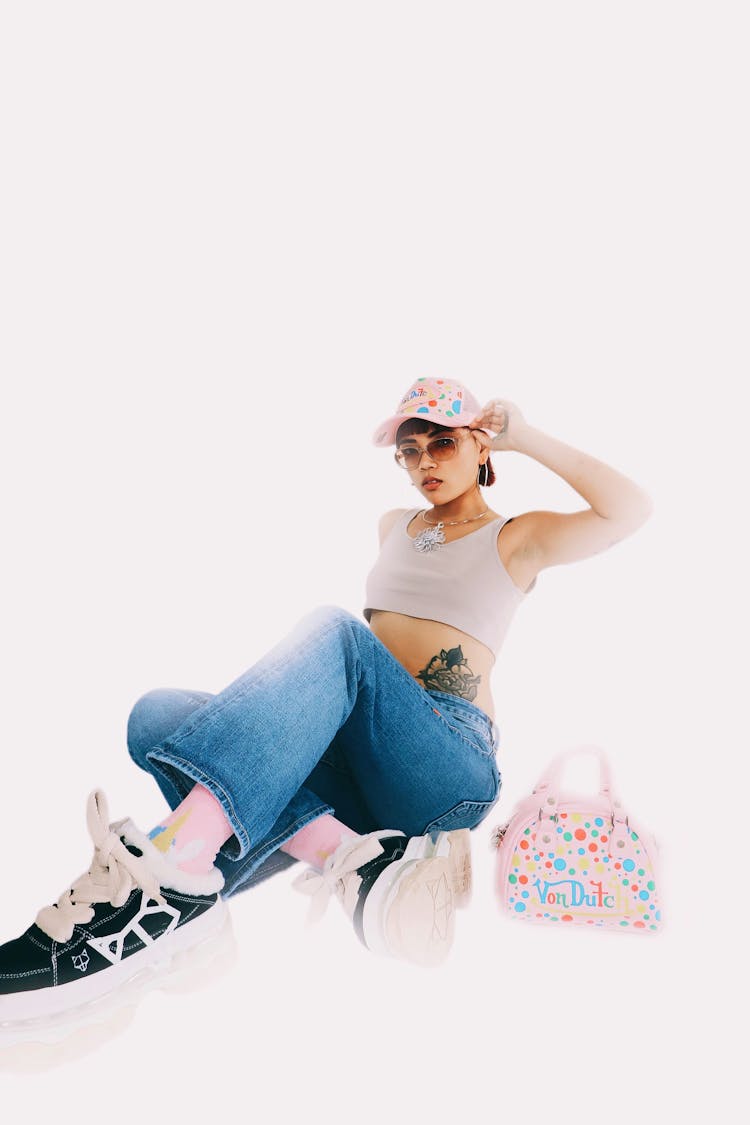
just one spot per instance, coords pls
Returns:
(385, 434)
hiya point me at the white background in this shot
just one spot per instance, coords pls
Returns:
(232, 236)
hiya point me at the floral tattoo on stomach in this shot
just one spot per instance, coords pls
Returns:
(450, 672)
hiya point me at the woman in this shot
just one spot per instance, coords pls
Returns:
(368, 752)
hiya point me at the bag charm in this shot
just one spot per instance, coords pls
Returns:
(578, 860)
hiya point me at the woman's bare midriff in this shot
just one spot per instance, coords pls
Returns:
(417, 644)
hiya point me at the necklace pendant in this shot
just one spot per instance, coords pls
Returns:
(429, 539)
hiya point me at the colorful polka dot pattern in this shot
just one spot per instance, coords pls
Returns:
(577, 877)
(432, 396)
(446, 402)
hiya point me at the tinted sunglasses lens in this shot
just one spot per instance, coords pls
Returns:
(441, 449)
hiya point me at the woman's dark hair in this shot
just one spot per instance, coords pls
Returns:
(421, 425)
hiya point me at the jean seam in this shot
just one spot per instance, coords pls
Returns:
(475, 714)
(344, 769)
(476, 806)
(481, 749)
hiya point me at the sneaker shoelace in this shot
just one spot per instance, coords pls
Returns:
(113, 873)
(348, 857)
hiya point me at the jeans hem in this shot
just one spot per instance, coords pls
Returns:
(163, 757)
(267, 847)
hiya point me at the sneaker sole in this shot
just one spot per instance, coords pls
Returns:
(457, 846)
(409, 912)
(20, 1009)
(419, 912)
(42, 1043)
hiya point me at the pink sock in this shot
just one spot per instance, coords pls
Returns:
(317, 840)
(192, 834)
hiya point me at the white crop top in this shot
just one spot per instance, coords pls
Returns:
(463, 583)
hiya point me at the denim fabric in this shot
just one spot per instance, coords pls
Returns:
(328, 721)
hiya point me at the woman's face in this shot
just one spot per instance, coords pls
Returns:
(455, 475)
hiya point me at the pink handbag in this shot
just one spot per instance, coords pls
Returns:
(581, 860)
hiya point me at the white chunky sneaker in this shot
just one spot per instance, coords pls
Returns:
(399, 892)
(132, 910)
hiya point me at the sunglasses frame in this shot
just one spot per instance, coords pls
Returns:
(456, 438)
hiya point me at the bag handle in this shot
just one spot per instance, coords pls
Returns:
(547, 787)
(550, 779)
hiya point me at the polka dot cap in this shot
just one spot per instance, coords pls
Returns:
(444, 401)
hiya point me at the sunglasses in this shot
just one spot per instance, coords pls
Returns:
(440, 449)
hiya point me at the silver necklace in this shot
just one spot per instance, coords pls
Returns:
(432, 536)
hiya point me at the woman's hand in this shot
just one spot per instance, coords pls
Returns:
(505, 419)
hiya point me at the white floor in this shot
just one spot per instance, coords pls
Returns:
(232, 236)
(279, 1013)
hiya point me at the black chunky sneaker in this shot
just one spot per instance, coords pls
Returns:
(399, 891)
(132, 909)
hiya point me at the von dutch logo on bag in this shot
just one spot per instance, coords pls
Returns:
(566, 859)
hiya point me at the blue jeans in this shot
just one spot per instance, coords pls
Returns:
(328, 721)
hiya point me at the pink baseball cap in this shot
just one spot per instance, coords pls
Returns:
(445, 401)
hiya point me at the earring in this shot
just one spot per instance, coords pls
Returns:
(482, 474)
